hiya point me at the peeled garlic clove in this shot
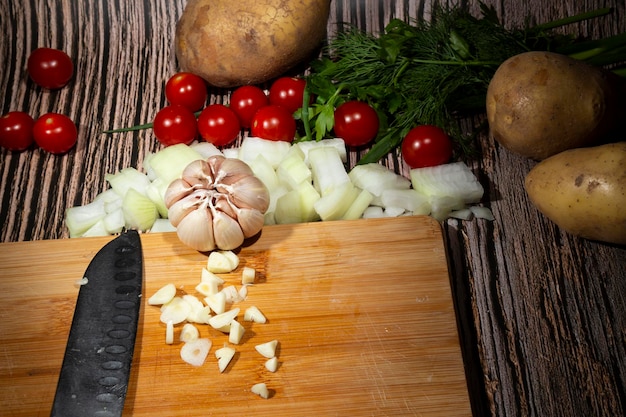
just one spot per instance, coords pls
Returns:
(196, 230)
(227, 232)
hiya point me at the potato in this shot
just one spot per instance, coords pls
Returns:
(583, 191)
(231, 43)
(542, 103)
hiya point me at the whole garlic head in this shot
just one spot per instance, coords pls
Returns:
(216, 204)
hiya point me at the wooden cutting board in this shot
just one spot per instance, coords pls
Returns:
(362, 311)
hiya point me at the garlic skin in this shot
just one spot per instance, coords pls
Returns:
(216, 204)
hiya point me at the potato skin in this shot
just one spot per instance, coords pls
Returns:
(583, 191)
(231, 43)
(542, 103)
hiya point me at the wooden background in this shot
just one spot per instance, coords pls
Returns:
(541, 314)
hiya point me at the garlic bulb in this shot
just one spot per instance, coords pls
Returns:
(216, 204)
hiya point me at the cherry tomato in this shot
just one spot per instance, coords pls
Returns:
(287, 92)
(175, 124)
(356, 122)
(218, 125)
(274, 123)
(426, 146)
(245, 101)
(186, 89)
(16, 131)
(55, 133)
(50, 68)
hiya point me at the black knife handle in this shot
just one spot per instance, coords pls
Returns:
(94, 376)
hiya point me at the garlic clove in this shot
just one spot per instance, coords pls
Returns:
(196, 230)
(198, 174)
(227, 232)
(250, 220)
(178, 210)
(175, 191)
(250, 192)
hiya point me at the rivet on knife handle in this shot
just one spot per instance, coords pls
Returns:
(94, 376)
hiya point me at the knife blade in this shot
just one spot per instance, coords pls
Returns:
(96, 367)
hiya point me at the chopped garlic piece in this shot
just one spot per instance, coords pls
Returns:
(261, 390)
(272, 364)
(224, 319)
(254, 315)
(236, 332)
(163, 295)
(195, 351)
(247, 275)
(267, 349)
(217, 302)
(224, 356)
(189, 332)
(220, 262)
(169, 333)
(175, 311)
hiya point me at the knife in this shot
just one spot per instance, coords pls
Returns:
(94, 375)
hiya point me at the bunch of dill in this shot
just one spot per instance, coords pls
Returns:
(420, 72)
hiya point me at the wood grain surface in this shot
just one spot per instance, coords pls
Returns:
(541, 313)
(362, 312)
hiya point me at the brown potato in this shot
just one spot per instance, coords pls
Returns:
(542, 103)
(231, 43)
(583, 191)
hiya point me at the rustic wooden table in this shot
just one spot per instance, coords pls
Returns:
(541, 314)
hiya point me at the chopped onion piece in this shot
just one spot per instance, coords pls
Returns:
(254, 315)
(267, 349)
(334, 205)
(376, 178)
(205, 149)
(452, 180)
(261, 390)
(164, 295)
(195, 351)
(273, 151)
(482, 212)
(373, 212)
(79, 219)
(272, 364)
(139, 211)
(327, 170)
(463, 214)
(169, 163)
(358, 206)
(224, 356)
(337, 143)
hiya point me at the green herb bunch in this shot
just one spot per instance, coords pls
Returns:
(421, 72)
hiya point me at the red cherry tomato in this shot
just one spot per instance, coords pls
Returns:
(50, 68)
(356, 122)
(218, 125)
(426, 146)
(274, 123)
(186, 89)
(16, 131)
(287, 92)
(55, 133)
(245, 101)
(175, 124)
